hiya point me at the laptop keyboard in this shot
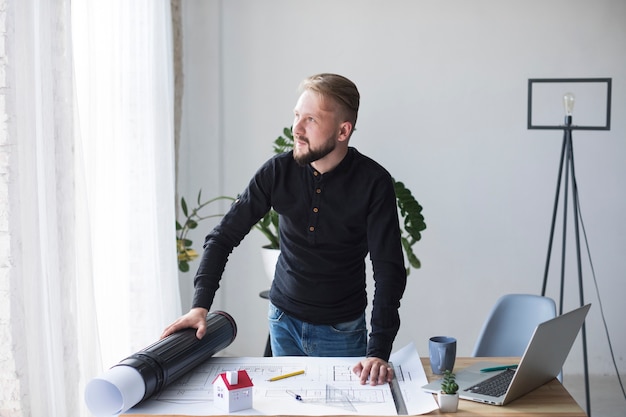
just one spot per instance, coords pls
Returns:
(494, 386)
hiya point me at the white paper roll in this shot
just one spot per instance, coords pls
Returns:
(115, 391)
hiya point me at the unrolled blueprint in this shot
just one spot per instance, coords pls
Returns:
(327, 387)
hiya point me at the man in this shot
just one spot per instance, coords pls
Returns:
(335, 206)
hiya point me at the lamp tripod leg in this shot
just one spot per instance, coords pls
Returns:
(580, 273)
(554, 214)
(566, 165)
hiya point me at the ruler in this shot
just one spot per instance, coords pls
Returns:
(396, 393)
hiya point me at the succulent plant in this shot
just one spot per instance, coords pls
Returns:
(448, 384)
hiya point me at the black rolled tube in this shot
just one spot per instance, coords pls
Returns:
(168, 359)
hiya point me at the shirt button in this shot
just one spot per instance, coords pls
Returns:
(311, 229)
(318, 190)
(315, 209)
(315, 173)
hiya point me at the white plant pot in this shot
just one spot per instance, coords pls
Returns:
(448, 403)
(270, 257)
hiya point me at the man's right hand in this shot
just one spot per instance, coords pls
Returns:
(195, 318)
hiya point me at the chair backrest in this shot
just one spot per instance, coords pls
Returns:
(511, 323)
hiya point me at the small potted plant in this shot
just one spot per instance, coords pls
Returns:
(448, 396)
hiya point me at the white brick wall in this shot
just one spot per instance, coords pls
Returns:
(10, 393)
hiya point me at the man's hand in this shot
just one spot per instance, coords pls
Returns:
(196, 318)
(377, 370)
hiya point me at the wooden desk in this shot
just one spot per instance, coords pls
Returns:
(551, 399)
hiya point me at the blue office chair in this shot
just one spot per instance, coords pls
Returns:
(511, 323)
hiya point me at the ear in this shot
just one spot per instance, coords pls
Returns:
(345, 130)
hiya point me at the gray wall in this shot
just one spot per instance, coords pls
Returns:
(443, 86)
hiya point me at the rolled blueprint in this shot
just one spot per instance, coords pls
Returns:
(148, 371)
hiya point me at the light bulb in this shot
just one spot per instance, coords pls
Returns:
(568, 103)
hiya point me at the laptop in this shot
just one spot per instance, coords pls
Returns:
(541, 362)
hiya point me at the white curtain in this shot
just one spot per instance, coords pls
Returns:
(124, 80)
(95, 267)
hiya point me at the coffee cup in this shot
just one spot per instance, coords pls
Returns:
(442, 353)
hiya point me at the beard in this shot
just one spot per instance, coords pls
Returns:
(305, 157)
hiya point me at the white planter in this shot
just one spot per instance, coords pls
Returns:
(448, 403)
(270, 257)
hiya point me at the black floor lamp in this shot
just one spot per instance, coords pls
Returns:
(598, 92)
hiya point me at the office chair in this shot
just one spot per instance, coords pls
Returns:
(511, 323)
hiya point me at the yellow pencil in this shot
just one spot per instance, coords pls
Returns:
(276, 378)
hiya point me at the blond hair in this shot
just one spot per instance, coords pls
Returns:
(338, 88)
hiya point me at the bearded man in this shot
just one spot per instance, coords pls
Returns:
(335, 206)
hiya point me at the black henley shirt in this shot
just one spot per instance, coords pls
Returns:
(328, 224)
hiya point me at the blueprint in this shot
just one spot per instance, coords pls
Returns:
(327, 387)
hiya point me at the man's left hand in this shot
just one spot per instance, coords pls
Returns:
(376, 370)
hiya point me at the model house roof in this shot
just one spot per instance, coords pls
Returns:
(243, 380)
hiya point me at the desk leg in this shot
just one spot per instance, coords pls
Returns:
(268, 348)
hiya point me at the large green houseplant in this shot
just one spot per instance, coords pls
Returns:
(410, 212)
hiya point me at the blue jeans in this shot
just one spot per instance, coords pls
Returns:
(292, 337)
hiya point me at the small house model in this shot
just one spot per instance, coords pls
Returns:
(232, 391)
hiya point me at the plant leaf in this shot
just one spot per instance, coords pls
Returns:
(411, 212)
(183, 206)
